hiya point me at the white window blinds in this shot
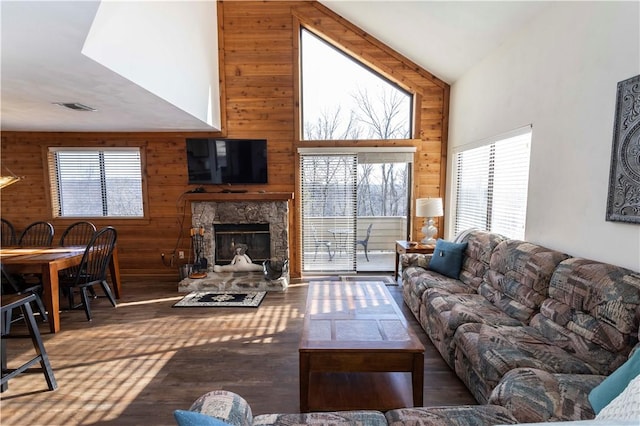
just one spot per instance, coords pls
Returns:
(328, 194)
(96, 183)
(491, 185)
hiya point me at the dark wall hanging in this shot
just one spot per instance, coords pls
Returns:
(623, 202)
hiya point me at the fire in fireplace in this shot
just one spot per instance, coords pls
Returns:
(255, 235)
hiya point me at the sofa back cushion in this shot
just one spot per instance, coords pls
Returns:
(517, 281)
(475, 262)
(592, 311)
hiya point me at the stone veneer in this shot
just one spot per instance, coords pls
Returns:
(209, 213)
(275, 213)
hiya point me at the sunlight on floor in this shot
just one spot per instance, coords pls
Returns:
(131, 368)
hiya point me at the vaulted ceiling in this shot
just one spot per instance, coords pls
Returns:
(42, 59)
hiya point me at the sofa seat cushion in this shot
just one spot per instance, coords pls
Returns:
(485, 353)
(462, 415)
(417, 280)
(534, 395)
(445, 312)
(337, 418)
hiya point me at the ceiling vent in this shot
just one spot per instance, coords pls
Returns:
(75, 106)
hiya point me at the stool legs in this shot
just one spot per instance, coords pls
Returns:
(41, 354)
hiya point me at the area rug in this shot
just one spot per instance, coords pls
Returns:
(227, 299)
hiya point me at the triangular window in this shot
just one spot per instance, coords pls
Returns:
(342, 99)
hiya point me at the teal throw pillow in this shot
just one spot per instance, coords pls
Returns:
(447, 258)
(193, 418)
(614, 384)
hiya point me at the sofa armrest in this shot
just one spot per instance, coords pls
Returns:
(415, 259)
(533, 395)
(226, 406)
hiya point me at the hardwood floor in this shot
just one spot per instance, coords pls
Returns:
(135, 364)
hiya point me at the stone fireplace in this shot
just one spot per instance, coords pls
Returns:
(211, 215)
(230, 219)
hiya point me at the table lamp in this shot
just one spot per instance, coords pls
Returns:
(429, 208)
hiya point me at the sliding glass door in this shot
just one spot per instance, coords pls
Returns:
(329, 210)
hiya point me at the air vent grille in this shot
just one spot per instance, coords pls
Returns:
(76, 106)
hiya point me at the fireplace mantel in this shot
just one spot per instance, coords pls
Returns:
(239, 196)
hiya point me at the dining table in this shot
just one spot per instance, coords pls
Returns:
(48, 261)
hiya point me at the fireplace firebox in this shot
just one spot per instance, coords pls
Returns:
(227, 236)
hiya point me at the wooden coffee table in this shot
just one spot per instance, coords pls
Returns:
(356, 350)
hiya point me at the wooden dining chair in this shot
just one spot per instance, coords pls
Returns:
(8, 234)
(37, 234)
(78, 234)
(92, 270)
(15, 285)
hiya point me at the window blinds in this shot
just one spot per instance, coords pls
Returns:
(328, 198)
(96, 183)
(491, 186)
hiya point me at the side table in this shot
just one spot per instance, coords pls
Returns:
(403, 247)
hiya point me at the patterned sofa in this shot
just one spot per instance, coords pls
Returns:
(526, 327)
(530, 331)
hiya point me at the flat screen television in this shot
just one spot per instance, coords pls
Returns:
(227, 161)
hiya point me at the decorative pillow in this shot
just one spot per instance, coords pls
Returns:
(193, 418)
(612, 386)
(447, 258)
(625, 406)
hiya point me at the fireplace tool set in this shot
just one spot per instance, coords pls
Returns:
(200, 262)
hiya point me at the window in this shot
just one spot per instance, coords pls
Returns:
(86, 182)
(491, 183)
(344, 100)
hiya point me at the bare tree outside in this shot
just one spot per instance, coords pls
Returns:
(385, 116)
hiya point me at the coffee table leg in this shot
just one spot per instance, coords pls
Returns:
(304, 382)
(417, 379)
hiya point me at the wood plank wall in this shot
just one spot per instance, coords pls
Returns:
(258, 61)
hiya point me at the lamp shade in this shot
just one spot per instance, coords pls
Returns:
(429, 207)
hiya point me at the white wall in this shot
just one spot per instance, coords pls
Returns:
(169, 48)
(560, 75)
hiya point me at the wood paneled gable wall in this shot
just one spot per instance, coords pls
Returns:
(258, 52)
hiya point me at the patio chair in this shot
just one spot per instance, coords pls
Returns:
(365, 243)
(318, 242)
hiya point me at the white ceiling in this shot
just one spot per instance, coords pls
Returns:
(42, 61)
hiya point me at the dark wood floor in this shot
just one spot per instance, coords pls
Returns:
(135, 364)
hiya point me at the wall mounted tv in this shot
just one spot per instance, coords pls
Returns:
(227, 161)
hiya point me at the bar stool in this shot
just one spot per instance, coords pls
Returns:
(23, 301)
